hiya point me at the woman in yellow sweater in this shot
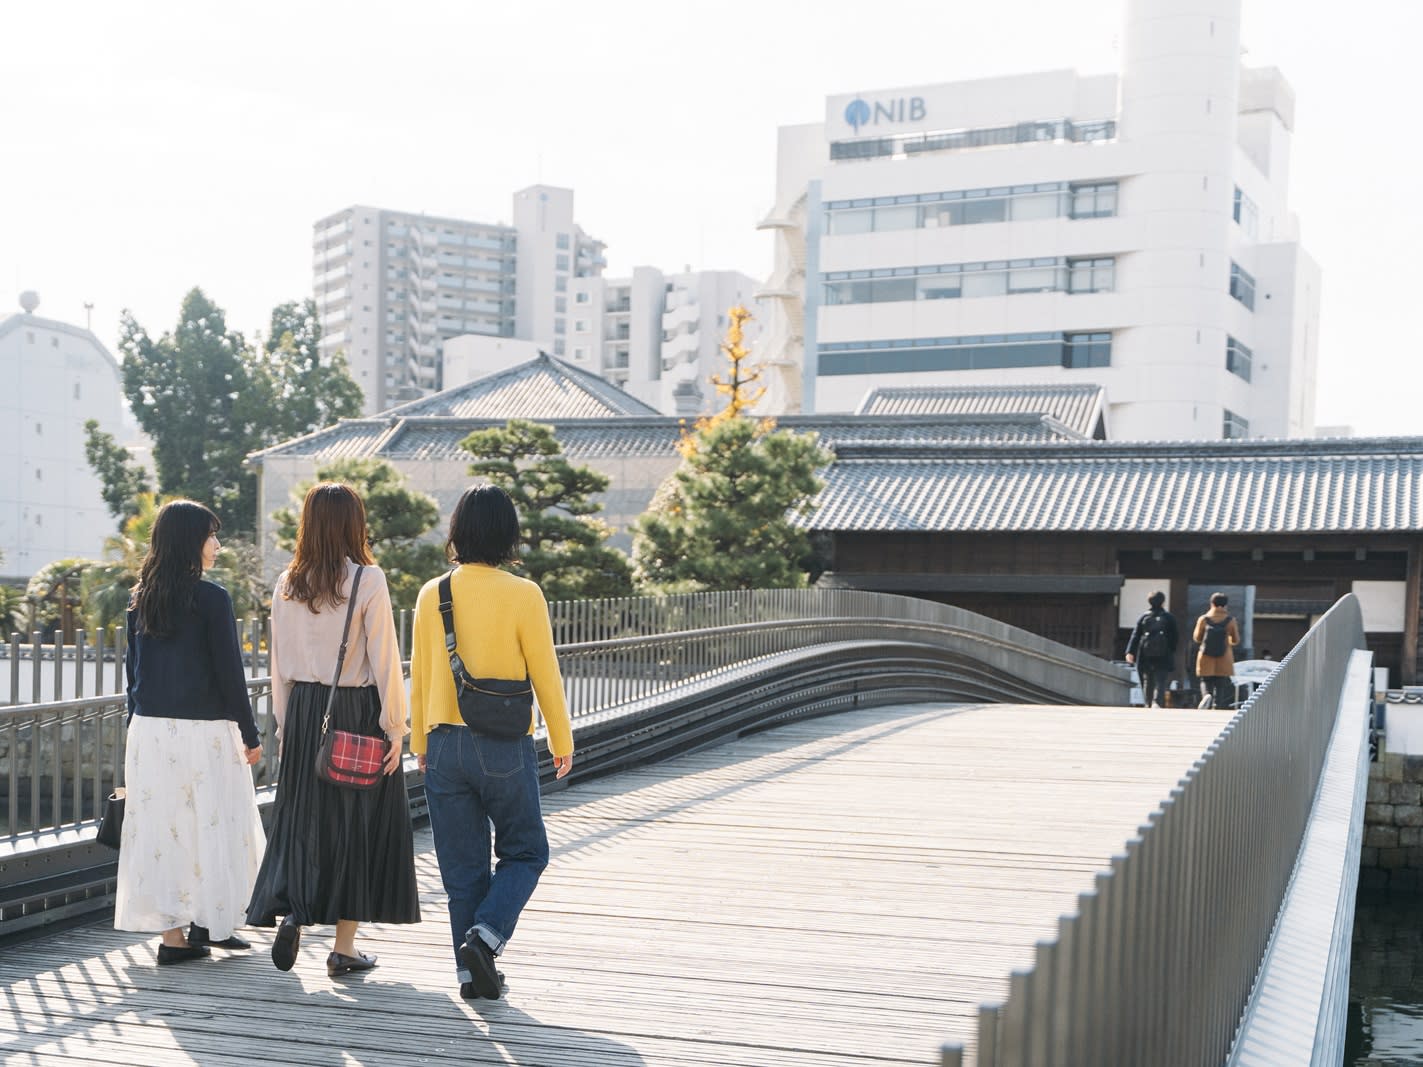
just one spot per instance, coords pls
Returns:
(473, 780)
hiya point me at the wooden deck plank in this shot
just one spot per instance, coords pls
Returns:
(840, 890)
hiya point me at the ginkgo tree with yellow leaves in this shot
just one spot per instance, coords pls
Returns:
(722, 520)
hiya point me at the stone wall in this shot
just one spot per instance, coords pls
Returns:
(1392, 856)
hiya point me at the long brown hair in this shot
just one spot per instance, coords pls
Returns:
(333, 527)
(169, 577)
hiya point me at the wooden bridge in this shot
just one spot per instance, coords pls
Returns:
(839, 890)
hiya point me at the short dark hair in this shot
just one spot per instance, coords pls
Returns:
(1156, 599)
(484, 527)
(1219, 600)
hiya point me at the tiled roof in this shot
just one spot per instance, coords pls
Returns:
(1254, 486)
(399, 436)
(542, 388)
(1079, 407)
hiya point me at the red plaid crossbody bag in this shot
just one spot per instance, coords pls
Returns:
(350, 760)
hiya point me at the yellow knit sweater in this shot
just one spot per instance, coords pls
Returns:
(502, 631)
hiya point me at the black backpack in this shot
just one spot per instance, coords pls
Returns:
(1153, 636)
(1215, 642)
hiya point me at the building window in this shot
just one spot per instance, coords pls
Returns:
(1094, 200)
(1091, 275)
(964, 207)
(987, 352)
(561, 241)
(39, 429)
(953, 281)
(580, 352)
(1237, 358)
(1246, 214)
(560, 284)
(580, 325)
(910, 145)
(1087, 350)
(54, 342)
(558, 346)
(560, 304)
(1242, 285)
(39, 475)
(558, 326)
(580, 298)
(1234, 426)
(76, 390)
(560, 262)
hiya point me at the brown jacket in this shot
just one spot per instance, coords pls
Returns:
(1215, 666)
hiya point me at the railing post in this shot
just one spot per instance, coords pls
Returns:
(14, 672)
(36, 666)
(79, 648)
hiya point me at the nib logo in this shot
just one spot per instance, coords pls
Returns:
(857, 114)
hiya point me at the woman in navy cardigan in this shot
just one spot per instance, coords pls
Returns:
(192, 838)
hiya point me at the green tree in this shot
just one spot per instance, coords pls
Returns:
(207, 399)
(53, 598)
(301, 393)
(122, 479)
(722, 521)
(397, 518)
(562, 545)
(184, 389)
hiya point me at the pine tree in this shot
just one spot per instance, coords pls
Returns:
(722, 520)
(561, 544)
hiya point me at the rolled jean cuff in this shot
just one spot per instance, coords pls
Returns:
(488, 935)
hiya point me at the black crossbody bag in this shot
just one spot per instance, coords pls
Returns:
(495, 707)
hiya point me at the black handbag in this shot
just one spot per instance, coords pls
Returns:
(111, 827)
(495, 707)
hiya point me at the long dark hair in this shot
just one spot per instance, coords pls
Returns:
(173, 567)
(484, 528)
(333, 527)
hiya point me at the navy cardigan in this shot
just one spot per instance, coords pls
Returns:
(197, 672)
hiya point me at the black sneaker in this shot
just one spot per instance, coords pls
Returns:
(478, 959)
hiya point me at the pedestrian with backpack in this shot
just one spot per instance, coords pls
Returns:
(1217, 634)
(1152, 648)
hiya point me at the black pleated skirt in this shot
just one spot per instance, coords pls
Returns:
(334, 853)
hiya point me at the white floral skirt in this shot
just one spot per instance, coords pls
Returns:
(192, 838)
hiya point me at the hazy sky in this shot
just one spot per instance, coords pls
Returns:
(149, 147)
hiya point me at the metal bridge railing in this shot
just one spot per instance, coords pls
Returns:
(59, 759)
(1158, 963)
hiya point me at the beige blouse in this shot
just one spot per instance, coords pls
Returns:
(304, 647)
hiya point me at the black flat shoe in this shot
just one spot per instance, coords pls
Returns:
(169, 954)
(285, 946)
(468, 992)
(338, 964)
(198, 935)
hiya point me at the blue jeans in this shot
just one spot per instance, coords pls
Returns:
(471, 782)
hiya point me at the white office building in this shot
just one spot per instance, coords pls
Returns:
(1129, 230)
(53, 378)
(392, 286)
(658, 335)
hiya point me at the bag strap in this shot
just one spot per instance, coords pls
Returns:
(341, 655)
(447, 617)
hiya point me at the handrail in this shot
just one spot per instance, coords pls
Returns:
(59, 760)
(1160, 958)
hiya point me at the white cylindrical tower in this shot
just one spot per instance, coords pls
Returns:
(1178, 114)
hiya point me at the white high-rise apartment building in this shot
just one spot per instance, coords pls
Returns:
(54, 377)
(658, 335)
(392, 286)
(1128, 230)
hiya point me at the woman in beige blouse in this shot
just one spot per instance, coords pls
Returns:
(335, 855)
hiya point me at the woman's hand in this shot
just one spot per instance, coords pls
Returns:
(252, 755)
(393, 754)
(562, 765)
